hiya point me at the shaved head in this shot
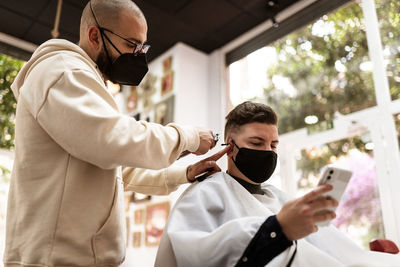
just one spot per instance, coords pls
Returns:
(110, 28)
(108, 14)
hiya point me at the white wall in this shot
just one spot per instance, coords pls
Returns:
(201, 99)
(192, 92)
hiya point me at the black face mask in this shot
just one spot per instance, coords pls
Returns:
(128, 68)
(257, 165)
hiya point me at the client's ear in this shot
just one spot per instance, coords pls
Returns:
(229, 143)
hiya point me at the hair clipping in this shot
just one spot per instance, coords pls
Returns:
(216, 137)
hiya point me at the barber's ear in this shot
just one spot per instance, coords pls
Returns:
(94, 37)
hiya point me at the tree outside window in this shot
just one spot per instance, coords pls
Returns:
(315, 75)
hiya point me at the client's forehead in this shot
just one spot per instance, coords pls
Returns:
(254, 129)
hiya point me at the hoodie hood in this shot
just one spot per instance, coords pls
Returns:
(46, 50)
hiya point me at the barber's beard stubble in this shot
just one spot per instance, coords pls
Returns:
(103, 63)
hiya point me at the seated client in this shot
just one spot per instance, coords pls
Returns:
(238, 219)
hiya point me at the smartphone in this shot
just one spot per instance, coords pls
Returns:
(338, 178)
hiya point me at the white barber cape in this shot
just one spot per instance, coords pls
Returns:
(213, 222)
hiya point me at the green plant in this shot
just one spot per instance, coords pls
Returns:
(9, 68)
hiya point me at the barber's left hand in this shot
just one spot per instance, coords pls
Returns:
(207, 165)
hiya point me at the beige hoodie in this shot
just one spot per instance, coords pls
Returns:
(65, 203)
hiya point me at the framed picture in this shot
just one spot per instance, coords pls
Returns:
(148, 88)
(136, 238)
(128, 228)
(127, 198)
(164, 111)
(113, 88)
(167, 82)
(167, 64)
(156, 218)
(138, 216)
(137, 197)
(132, 100)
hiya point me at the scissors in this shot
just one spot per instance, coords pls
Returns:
(187, 152)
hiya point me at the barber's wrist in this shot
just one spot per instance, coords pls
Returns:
(189, 175)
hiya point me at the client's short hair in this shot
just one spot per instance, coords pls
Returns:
(248, 112)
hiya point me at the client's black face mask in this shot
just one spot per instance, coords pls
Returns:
(257, 165)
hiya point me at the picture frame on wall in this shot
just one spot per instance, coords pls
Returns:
(156, 218)
(136, 239)
(138, 216)
(167, 64)
(132, 100)
(164, 111)
(167, 83)
(127, 200)
(147, 90)
(128, 228)
(137, 197)
(113, 88)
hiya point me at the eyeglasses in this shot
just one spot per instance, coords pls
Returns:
(137, 48)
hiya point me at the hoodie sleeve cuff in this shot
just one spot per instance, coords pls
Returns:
(189, 137)
(176, 175)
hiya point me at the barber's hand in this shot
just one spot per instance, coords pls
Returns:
(207, 165)
(299, 216)
(206, 141)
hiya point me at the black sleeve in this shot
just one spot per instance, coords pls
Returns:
(267, 243)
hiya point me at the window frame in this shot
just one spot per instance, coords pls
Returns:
(384, 136)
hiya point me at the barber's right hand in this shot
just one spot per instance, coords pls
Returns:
(206, 141)
(299, 216)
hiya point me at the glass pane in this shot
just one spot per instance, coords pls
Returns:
(397, 125)
(312, 75)
(6, 162)
(359, 213)
(9, 68)
(388, 12)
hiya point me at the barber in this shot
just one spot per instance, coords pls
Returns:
(65, 204)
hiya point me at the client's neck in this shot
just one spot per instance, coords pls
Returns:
(233, 171)
(250, 186)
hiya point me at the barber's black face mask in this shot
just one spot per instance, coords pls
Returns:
(128, 68)
(257, 165)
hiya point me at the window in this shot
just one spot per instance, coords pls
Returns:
(388, 12)
(319, 81)
(314, 74)
(359, 213)
(9, 68)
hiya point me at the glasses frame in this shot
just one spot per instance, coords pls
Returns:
(138, 48)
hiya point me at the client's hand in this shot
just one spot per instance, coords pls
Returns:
(207, 165)
(299, 216)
